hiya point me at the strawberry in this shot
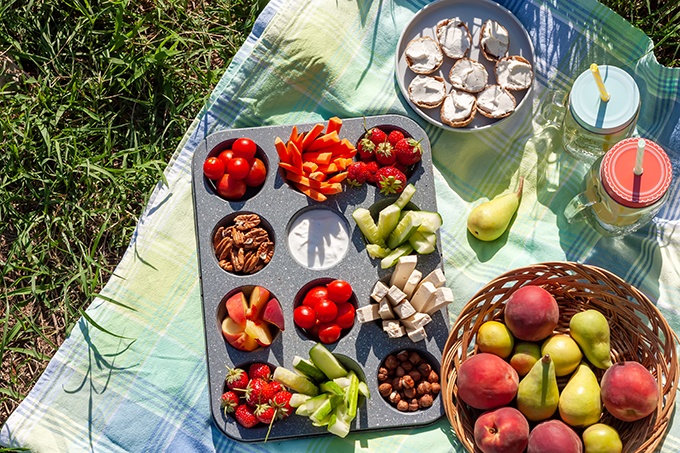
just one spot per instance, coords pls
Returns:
(236, 379)
(366, 149)
(405, 169)
(281, 401)
(229, 402)
(255, 392)
(394, 137)
(356, 174)
(371, 170)
(245, 416)
(377, 135)
(265, 413)
(260, 370)
(408, 151)
(275, 387)
(390, 180)
(384, 154)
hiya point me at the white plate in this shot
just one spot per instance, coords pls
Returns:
(474, 13)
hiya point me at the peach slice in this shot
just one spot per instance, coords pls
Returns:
(259, 330)
(237, 337)
(273, 314)
(237, 307)
(258, 299)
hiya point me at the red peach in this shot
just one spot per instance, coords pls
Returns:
(485, 381)
(629, 391)
(531, 313)
(546, 436)
(503, 430)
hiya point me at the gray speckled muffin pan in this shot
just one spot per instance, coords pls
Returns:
(277, 203)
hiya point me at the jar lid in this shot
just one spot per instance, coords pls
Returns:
(620, 180)
(598, 116)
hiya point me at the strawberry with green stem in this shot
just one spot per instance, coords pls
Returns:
(260, 370)
(356, 174)
(390, 180)
(245, 416)
(229, 402)
(236, 379)
(408, 151)
(366, 149)
(384, 154)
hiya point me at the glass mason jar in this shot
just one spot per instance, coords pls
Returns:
(592, 126)
(616, 201)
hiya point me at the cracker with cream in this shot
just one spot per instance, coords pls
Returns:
(454, 37)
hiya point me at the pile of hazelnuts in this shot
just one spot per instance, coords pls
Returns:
(408, 382)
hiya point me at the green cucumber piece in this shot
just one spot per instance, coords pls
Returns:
(308, 369)
(324, 360)
(311, 405)
(297, 399)
(295, 382)
(363, 389)
(375, 251)
(430, 221)
(331, 387)
(406, 226)
(423, 242)
(362, 217)
(339, 423)
(391, 259)
(405, 196)
(343, 382)
(352, 395)
(388, 218)
(322, 411)
(324, 421)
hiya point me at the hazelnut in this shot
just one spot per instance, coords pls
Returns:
(385, 388)
(414, 405)
(409, 393)
(435, 387)
(403, 356)
(395, 397)
(383, 374)
(425, 401)
(396, 383)
(407, 382)
(402, 406)
(424, 387)
(432, 377)
(424, 368)
(414, 358)
(415, 375)
(406, 366)
(400, 371)
(391, 362)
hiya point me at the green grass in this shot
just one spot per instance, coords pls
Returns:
(100, 96)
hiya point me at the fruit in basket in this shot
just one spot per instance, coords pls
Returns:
(489, 220)
(590, 330)
(580, 403)
(485, 381)
(538, 394)
(494, 337)
(531, 313)
(602, 438)
(552, 434)
(503, 430)
(629, 391)
(565, 353)
(524, 356)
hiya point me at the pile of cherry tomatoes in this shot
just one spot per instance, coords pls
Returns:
(236, 169)
(325, 311)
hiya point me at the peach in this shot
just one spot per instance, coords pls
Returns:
(237, 306)
(258, 299)
(629, 391)
(531, 313)
(237, 337)
(485, 381)
(547, 435)
(503, 430)
(273, 314)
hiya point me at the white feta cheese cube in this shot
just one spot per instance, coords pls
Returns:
(403, 269)
(436, 277)
(368, 313)
(416, 321)
(412, 283)
(417, 335)
(422, 295)
(393, 329)
(441, 298)
(395, 295)
(379, 291)
(385, 310)
(404, 310)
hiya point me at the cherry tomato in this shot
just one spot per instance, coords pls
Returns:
(345, 317)
(225, 157)
(329, 332)
(213, 168)
(304, 317)
(315, 295)
(257, 174)
(314, 330)
(238, 168)
(231, 188)
(326, 310)
(339, 291)
(244, 147)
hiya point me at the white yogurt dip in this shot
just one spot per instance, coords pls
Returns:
(318, 238)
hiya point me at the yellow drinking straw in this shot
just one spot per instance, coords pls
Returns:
(600, 84)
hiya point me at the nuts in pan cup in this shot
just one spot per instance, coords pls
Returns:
(423, 55)
(408, 380)
(496, 102)
(468, 75)
(514, 73)
(454, 37)
(427, 92)
(458, 108)
(494, 40)
(243, 243)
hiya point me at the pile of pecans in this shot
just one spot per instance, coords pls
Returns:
(243, 247)
(408, 382)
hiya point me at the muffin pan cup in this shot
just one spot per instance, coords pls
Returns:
(277, 203)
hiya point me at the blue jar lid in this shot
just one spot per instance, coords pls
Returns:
(598, 116)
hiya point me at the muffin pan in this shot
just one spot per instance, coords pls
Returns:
(277, 203)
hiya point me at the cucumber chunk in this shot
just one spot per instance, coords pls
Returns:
(308, 369)
(297, 399)
(430, 221)
(340, 421)
(322, 411)
(406, 226)
(405, 196)
(326, 362)
(311, 405)
(388, 218)
(362, 217)
(375, 251)
(331, 387)
(352, 395)
(363, 389)
(295, 382)
(391, 259)
(423, 242)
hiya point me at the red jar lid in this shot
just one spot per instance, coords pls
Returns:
(629, 189)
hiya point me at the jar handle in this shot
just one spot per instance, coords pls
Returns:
(576, 206)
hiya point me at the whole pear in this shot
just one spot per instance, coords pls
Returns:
(525, 356)
(489, 220)
(580, 404)
(538, 394)
(565, 353)
(590, 330)
(601, 438)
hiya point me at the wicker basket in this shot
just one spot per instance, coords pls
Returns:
(638, 332)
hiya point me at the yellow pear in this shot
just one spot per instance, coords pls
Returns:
(565, 353)
(489, 220)
(538, 394)
(494, 337)
(601, 438)
(580, 402)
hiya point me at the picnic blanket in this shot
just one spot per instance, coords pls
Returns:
(146, 388)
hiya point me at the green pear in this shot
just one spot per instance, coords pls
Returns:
(580, 403)
(489, 220)
(591, 331)
(601, 438)
(565, 353)
(538, 394)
